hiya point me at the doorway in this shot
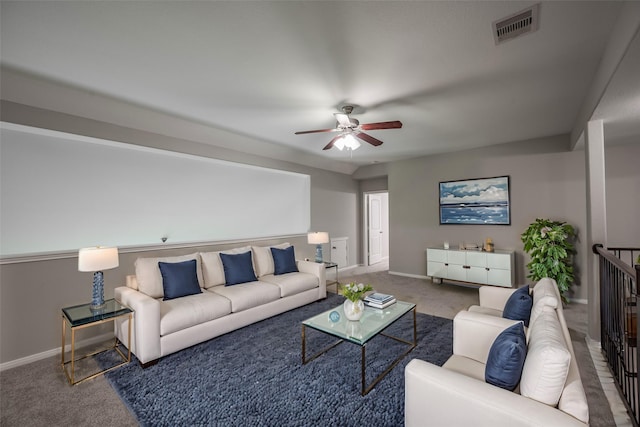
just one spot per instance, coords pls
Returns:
(376, 226)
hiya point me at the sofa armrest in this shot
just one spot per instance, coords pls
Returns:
(146, 324)
(493, 297)
(317, 269)
(474, 333)
(442, 397)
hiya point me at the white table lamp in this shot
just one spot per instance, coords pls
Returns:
(318, 238)
(97, 259)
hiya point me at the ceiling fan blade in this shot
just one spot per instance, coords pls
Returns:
(316, 131)
(330, 144)
(343, 119)
(368, 138)
(381, 125)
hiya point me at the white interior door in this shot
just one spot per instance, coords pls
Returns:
(375, 228)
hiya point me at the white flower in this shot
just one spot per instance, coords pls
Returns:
(360, 287)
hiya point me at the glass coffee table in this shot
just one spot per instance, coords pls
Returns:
(373, 323)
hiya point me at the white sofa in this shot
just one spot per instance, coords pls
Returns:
(163, 327)
(550, 392)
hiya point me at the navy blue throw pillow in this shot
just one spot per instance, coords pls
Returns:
(179, 279)
(238, 268)
(518, 306)
(506, 358)
(284, 260)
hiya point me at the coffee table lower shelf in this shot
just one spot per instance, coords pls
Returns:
(366, 388)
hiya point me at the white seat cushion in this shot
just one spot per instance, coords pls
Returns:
(149, 277)
(292, 283)
(182, 313)
(248, 295)
(547, 364)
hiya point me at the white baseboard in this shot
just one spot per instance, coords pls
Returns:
(415, 276)
(53, 352)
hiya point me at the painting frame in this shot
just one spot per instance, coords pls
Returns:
(477, 201)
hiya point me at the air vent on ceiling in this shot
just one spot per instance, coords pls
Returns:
(523, 22)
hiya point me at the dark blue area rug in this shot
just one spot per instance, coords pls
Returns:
(254, 376)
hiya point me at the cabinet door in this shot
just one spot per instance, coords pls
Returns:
(438, 255)
(436, 263)
(500, 269)
(502, 261)
(436, 269)
(477, 275)
(476, 259)
(499, 277)
(456, 257)
(457, 272)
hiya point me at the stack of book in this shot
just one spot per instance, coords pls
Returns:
(378, 300)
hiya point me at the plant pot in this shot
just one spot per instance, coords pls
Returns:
(353, 310)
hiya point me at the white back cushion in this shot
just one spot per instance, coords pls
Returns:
(212, 268)
(545, 293)
(547, 364)
(263, 260)
(148, 273)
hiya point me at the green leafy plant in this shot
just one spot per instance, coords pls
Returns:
(550, 246)
(354, 292)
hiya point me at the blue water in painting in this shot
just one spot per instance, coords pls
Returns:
(464, 214)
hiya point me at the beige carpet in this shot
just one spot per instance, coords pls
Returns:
(38, 394)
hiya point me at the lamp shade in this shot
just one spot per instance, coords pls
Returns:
(318, 237)
(97, 259)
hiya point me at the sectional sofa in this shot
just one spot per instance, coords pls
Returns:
(181, 301)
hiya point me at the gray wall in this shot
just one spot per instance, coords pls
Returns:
(622, 168)
(32, 293)
(546, 182)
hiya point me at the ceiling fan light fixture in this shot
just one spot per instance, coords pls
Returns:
(351, 131)
(347, 141)
(351, 142)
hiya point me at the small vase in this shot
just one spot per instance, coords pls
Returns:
(353, 310)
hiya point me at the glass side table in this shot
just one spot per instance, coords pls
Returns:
(82, 316)
(328, 265)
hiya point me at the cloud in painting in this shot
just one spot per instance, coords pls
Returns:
(493, 190)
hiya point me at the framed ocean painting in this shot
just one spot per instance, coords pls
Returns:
(475, 201)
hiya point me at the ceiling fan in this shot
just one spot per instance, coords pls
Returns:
(350, 129)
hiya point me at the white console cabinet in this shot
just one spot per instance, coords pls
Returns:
(484, 268)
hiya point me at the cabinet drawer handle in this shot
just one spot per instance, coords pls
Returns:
(446, 265)
(468, 267)
(487, 268)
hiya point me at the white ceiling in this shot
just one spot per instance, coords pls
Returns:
(267, 69)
